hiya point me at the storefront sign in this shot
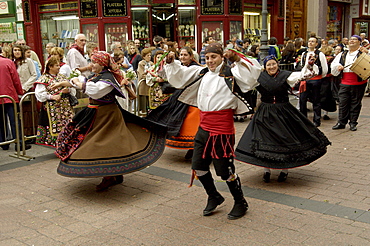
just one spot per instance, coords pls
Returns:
(6, 8)
(235, 7)
(48, 7)
(212, 7)
(343, 1)
(355, 9)
(163, 1)
(88, 8)
(114, 8)
(68, 5)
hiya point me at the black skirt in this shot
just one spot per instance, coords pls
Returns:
(280, 137)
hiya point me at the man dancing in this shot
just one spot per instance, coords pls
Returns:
(213, 91)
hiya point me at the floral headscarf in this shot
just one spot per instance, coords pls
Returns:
(105, 60)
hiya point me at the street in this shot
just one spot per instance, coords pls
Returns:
(324, 203)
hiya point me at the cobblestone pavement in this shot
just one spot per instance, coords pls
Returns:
(324, 203)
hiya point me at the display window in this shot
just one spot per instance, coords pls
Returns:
(361, 27)
(140, 24)
(253, 25)
(334, 24)
(187, 26)
(115, 32)
(59, 28)
(236, 29)
(91, 32)
(213, 29)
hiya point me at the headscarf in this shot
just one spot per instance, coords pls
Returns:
(105, 60)
(358, 37)
(214, 48)
(268, 58)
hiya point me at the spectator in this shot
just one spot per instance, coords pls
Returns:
(10, 85)
(27, 53)
(76, 56)
(65, 69)
(48, 48)
(274, 49)
(33, 53)
(208, 40)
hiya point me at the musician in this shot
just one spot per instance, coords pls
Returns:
(352, 87)
(313, 86)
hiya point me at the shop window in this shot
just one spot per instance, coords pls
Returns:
(213, 29)
(334, 22)
(115, 32)
(361, 27)
(91, 32)
(59, 28)
(253, 25)
(186, 2)
(140, 24)
(139, 2)
(236, 29)
(187, 26)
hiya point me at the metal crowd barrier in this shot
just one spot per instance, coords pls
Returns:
(20, 138)
(288, 67)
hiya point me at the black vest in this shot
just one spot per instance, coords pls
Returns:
(343, 61)
(317, 60)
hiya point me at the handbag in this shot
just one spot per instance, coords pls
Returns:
(73, 101)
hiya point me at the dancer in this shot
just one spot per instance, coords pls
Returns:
(103, 140)
(279, 136)
(182, 120)
(210, 90)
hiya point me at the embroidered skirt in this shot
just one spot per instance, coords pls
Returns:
(106, 141)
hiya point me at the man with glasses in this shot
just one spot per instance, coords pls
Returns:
(352, 87)
(76, 56)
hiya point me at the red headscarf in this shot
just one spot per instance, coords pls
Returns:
(105, 60)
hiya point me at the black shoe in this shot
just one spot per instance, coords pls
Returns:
(119, 179)
(326, 117)
(212, 203)
(338, 126)
(27, 147)
(239, 209)
(352, 126)
(317, 124)
(266, 177)
(282, 177)
(241, 119)
(189, 154)
(5, 147)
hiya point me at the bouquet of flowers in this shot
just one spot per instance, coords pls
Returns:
(75, 73)
(130, 74)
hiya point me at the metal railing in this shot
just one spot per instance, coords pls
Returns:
(288, 67)
(20, 138)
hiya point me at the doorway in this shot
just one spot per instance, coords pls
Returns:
(163, 20)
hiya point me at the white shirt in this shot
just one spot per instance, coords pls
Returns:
(75, 60)
(213, 93)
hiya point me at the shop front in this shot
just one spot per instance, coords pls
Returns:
(336, 15)
(360, 13)
(8, 26)
(106, 21)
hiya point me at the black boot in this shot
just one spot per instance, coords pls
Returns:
(240, 204)
(214, 198)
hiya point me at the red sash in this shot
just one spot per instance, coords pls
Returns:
(351, 79)
(220, 125)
